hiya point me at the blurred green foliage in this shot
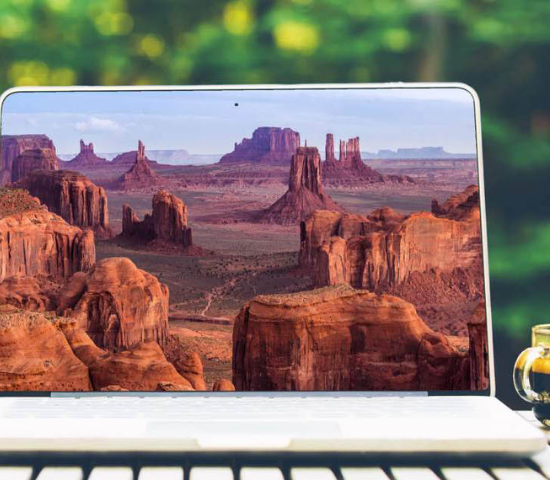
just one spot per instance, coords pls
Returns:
(500, 47)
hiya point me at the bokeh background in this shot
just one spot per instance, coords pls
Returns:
(500, 47)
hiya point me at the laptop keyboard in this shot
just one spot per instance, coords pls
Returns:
(211, 408)
(535, 469)
(257, 465)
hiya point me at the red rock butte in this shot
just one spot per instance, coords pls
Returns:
(268, 145)
(305, 191)
(349, 169)
(72, 196)
(118, 304)
(86, 157)
(167, 224)
(14, 145)
(339, 338)
(37, 242)
(425, 258)
(141, 175)
(31, 160)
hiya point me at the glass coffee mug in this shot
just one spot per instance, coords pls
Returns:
(532, 373)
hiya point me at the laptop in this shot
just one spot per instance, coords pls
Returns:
(297, 268)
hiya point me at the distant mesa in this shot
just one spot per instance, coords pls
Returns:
(305, 191)
(339, 338)
(166, 226)
(141, 175)
(421, 153)
(31, 160)
(86, 157)
(349, 169)
(73, 197)
(13, 146)
(268, 145)
(37, 242)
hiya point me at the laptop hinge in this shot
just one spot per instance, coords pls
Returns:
(237, 394)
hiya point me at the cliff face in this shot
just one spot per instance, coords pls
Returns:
(119, 305)
(479, 350)
(86, 157)
(167, 224)
(305, 191)
(31, 160)
(349, 169)
(42, 243)
(140, 175)
(35, 356)
(72, 196)
(431, 261)
(462, 206)
(339, 338)
(37, 293)
(143, 367)
(268, 145)
(13, 145)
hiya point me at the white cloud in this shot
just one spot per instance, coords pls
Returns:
(96, 124)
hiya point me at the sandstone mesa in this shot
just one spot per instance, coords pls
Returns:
(268, 145)
(73, 197)
(42, 243)
(31, 160)
(13, 145)
(339, 338)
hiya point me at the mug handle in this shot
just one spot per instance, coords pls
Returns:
(522, 369)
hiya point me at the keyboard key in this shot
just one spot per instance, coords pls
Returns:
(413, 473)
(363, 473)
(516, 473)
(61, 473)
(259, 473)
(542, 460)
(15, 473)
(465, 473)
(211, 473)
(111, 473)
(161, 473)
(312, 474)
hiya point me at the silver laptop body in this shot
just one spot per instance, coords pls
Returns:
(342, 342)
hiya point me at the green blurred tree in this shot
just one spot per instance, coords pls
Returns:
(500, 47)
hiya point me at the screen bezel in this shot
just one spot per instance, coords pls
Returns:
(355, 86)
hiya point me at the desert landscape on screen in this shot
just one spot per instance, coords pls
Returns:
(249, 241)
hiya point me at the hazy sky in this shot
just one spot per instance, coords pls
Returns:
(209, 122)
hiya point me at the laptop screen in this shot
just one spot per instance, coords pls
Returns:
(267, 239)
